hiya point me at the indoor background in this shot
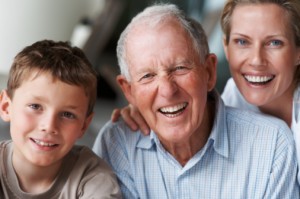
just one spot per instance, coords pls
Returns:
(94, 26)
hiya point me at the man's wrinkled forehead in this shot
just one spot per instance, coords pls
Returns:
(166, 45)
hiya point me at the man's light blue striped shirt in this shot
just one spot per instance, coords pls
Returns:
(247, 156)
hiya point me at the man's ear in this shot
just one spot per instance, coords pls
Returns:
(126, 88)
(211, 67)
(5, 103)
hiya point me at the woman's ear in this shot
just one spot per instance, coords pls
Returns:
(5, 103)
(126, 88)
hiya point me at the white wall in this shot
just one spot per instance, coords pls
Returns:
(26, 21)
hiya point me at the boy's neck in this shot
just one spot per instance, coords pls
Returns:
(34, 179)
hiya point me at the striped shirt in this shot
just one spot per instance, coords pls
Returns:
(232, 97)
(247, 156)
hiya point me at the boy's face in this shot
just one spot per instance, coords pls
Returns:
(46, 118)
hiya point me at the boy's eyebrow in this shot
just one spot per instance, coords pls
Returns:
(41, 98)
(72, 107)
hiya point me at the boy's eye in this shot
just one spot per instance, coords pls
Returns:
(68, 115)
(35, 106)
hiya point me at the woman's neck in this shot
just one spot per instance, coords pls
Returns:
(282, 107)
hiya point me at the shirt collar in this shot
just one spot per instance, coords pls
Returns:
(296, 105)
(146, 142)
(219, 134)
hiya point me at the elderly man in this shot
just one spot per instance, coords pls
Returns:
(198, 148)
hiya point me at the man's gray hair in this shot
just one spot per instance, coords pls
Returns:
(153, 16)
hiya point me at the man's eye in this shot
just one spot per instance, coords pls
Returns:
(68, 115)
(35, 106)
(146, 77)
(180, 68)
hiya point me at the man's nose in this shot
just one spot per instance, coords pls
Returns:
(167, 86)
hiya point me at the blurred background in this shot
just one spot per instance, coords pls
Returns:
(94, 26)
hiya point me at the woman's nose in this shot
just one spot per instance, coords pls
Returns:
(257, 56)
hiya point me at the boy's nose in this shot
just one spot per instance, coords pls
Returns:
(48, 123)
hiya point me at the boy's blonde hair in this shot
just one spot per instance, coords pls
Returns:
(64, 62)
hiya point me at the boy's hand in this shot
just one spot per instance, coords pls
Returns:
(132, 118)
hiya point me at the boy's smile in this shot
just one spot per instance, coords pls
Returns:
(47, 116)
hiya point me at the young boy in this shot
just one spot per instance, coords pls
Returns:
(49, 103)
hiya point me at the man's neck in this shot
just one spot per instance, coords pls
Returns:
(184, 151)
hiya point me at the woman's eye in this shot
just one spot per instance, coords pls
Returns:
(35, 106)
(241, 42)
(68, 115)
(275, 43)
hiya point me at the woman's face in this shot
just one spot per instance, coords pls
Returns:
(262, 54)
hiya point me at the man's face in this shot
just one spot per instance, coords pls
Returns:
(168, 84)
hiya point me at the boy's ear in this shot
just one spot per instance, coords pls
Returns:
(126, 88)
(5, 103)
(86, 124)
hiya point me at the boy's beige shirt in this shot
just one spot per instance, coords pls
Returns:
(83, 175)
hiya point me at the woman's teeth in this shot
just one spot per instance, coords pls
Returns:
(258, 79)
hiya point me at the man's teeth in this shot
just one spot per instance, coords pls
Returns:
(258, 79)
(173, 109)
(43, 143)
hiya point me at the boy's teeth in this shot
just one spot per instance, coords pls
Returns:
(43, 143)
(258, 79)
